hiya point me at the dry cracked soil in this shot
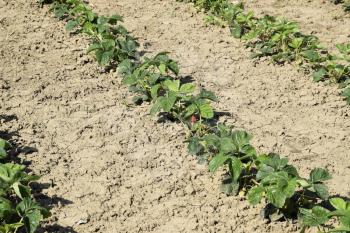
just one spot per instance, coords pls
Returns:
(108, 166)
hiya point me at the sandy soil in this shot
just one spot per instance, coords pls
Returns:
(322, 18)
(115, 169)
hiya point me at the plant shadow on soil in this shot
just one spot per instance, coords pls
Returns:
(56, 229)
(37, 188)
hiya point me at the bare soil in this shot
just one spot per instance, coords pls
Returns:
(112, 166)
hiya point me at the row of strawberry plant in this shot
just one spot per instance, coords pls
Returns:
(18, 210)
(281, 40)
(261, 177)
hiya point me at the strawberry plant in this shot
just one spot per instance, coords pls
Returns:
(181, 103)
(146, 78)
(17, 208)
(262, 178)
(279, 39)
(318, 217)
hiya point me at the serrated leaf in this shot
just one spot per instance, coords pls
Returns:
(217, 162)
(172, 85)
(338, 203)
(162, 68)
(206, 111)
(106, 57)
(32, 220)
(319, 75)
(187, 88)
(154, 91)
(194, 146)
(255, 195)
(240, 138)
(264, 171)
(235, 166)
(21, 190)
(311, 55)
(226, 145)
(125, 67)
(319, 175)
(276, 197)
(229, 187)
(174, 67)
(6, 209)
(156, 107)
(130, 80)
(321, 191)
(204, 94)
(94, 47)
(3, 153)
(236, 31)
(167, 102)
(190, 110)
(71, 24)
(346, 93)
(315, 217)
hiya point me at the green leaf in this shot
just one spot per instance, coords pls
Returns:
(125, 67)
(190, 110)
(240, 138)
(187, 88)
(311, 55)
(341, 229)
(154, 91)
(173, 66)
(7, 228)
(28, 205)
(317, 216)
(156, 107)
(162, 68)
(21, 190)
(319, 175)
(32, 220)
(276, 162)
(204, 94)
(319, 75)
(71, 24)
(322, 191)
(227, 145)
(217, 161)
(2, 143)
(194, 146)
(3, 153)
(130, 80)
(172, 85)
(93, 47)
(296, 43)
(276, 197)
(167, 102)
(255, 195)
(346, 93)
(236, 31)
(10, 173)
(229, 187)
(206, 111)
(338, 203)
(106, 57)
(6, 209)
(236, 167)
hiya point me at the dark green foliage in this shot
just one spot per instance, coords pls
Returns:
(281, 40)
(263, 178)
(17, 208)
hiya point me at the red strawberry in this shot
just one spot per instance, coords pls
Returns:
(193, 119)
